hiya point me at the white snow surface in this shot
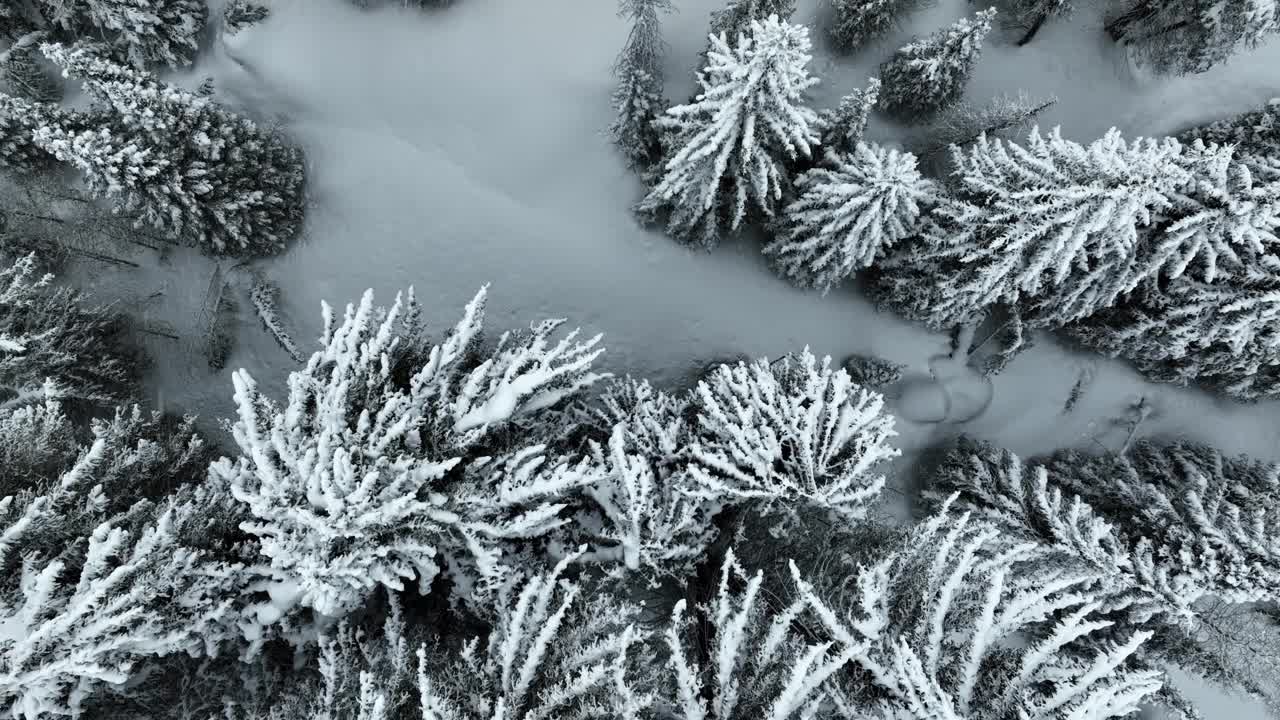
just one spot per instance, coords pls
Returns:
(453, 148)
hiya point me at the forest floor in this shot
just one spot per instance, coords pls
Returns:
(466, 146)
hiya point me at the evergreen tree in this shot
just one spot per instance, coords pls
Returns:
(736, 18)
(644, 47)
(849, 212)
(1255, 135)
(1190, 36)
(842, 128)
(787, 435)
(957, 621)
(929, 74)
(963, 123)
(727, 149)
(854, 23)
(189, 167)
(637, 102)
(50, 333)
(1219, 336)
(387, 464)
(141, 33)
(240, 14)
(23, 76)
(1054, 225)
(553, 653)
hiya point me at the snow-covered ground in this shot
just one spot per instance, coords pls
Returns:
(467, 146)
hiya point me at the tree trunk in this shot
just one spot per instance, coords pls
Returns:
(1035, 28)
(1119, 27)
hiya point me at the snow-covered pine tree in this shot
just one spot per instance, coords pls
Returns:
(1055, 223)
(51, 332)
(1215, 515)
(637, 102)
(1221, 336)
(265, 296)
(737, 16)
(789, 434)
(728, 149)
(1191, 36)
(758, 666)
(141, 32)
(849, 211)
(963, 123)
(240, 14)
(1027, 502)
(552, 653)
(643, 519)
(926, 75)
(854, 23)
(644, 47)
(188, 166)
(842, 128)
(96, 574)
(22, 75)
(960, 622)
(1254, 134)
(391, 460)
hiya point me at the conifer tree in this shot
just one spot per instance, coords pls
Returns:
(387, 464)
(963, 123)
(142, 33)
(23, 76)
(842, 128)
(727, 150)
(1219, 336)
(854, 23)
(1055, 223)
(50, 333)
(959, 622)
(850, 211)
(240, 14)
(1254, 134)
(1030, 15)
(736, 17)
(190, 168)
(637, 102)
(1189, 36)
(929, 74)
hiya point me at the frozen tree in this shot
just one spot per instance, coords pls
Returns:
(1135, 576)
(850, 211)
(1191, 36)
(265, 296)
(854, 23)
(958, 622)
(50, 332)
(22, 75)
(757, 667)
(1255, 136)
(19, 119)
(551, 654)
(842, 128)
(963, 123)
(1218, 336)
(1030, 15)
(637, 102)
(385, 464)
(736, 18)
(1214, 515)
(727, 150)
(189, 167)
(873, 372)
(929, 74)
(1055, 222)
(788, 434)
(240, 14)
(646, 520)
(144, 32)
(644, 47)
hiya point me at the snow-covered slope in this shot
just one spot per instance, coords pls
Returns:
(456, 148)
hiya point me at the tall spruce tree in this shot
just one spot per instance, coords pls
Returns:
(842, 127)
(727, 150)
(188, 166)
(929, 74)
(850, 211)
(638, 98)
(1190, 36)
(854, 23)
